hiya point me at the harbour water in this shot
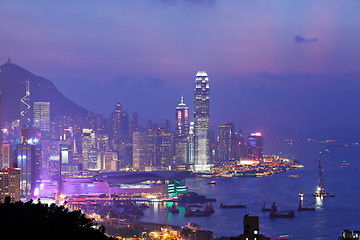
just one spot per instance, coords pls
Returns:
(326, 222)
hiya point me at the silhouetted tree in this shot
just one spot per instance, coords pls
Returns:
(40, 221)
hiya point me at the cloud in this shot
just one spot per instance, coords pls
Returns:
(300, 39)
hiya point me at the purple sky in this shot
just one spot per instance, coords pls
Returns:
(291, 65)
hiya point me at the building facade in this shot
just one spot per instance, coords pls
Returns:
(10, 184)
(255, 147)
(202, 122)
(41, 117)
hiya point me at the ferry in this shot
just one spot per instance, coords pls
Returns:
(212, 182)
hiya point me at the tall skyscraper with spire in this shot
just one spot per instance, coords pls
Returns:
(25, 120)
(182, 133)
(202, 122)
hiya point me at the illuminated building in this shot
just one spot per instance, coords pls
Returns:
(140, 160)
(29, 161)
(10, 184)
(41, 117)
(25, 111)
(155, 183)
(182, 133)
(121, 124)
(202, 122)
(191, 144)
(6, 155)
(182, 119)
(159, 145)
(110, 161)
(226, 143)
(88, 143)
(255, 147)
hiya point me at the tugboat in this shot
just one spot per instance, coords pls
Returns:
(301, 207)
(232, 206)
(320, 191)
(173, 209)
(275, 214)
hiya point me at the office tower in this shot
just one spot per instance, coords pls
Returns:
(133, 124)
(191, 144)
(41, 117)
(140, 160)
(109, 161)
(88, 143)
(121, 124)
(29, 161)
(10, 184)
(94, 159)
(6, 151)
(181, 133)
(202, 122)
(182, 119)
(226, 143)
(159, 145)
(25, 120)
(241, 145)
(255, 147)
(99, 123)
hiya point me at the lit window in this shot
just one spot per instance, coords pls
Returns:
(256, 232)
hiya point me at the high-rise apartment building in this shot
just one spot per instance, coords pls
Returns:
(41, 117)
(202, 122)
(10, 184)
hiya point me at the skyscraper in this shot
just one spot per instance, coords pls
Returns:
(226, 143)
(41, 117)
(255, 146)
(202, 122)
(140, 160)
(88, 143)
(182, 133)
(25, 120)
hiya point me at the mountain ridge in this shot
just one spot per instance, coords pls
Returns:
(12, 84)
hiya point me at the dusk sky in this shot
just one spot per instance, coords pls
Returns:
(272, 65)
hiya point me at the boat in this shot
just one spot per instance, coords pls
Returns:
(320, 191)
(173, 209)
(212, 182)
(283, 237)
(198, 212)
(275, 214)
(264, 209)
(232, 206)
(302, 207)
(143, 206)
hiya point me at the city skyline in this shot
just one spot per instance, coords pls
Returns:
(278, 55)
